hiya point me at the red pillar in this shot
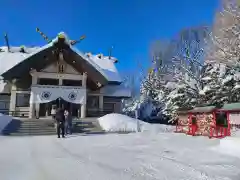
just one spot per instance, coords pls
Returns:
(190, 123)
(214, 124)
(229, 125)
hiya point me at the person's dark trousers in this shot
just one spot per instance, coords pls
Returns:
(69, 128)
(60, 127)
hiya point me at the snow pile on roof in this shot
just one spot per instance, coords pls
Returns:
(107, 65)
(104, 65)
(4, 121)
(122, 123)
(14, 57)
(116, 91)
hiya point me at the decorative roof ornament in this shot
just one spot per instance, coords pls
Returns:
(110, 52)
(100, 56)
(99, 84)
(73, 42)
(43, 35)
(7, 41)
(110, 55)
(22, 49)
(88, 54)
(61, 37)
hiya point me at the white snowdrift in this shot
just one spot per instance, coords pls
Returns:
(122, 123)
(230, 146)
(4, 121)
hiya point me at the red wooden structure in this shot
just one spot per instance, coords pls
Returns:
(209, 120)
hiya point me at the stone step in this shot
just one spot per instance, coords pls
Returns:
(29, 134)
(26, 127)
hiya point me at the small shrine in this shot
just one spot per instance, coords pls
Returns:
(209, 120)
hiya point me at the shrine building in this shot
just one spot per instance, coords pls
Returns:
(35, 79)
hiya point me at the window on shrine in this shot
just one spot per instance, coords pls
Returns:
(93, 102)
(45, 81)
(67, 82)
(221, 119)
(4, 105)
(4, 97)
(22, 100)
(108, 107)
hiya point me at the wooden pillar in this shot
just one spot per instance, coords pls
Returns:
(13, 97)
(32, 110)
(37, 105)
(32, 105)
(83, 106)
(84, 80)
(60, 81)
(83, 110)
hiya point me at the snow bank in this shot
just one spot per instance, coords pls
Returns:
(122, 123)
(4, 121)
(230, 146)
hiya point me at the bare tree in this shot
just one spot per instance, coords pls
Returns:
(190, 49)
(224, 44)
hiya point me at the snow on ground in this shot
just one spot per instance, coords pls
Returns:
(135, 156)
(4, 121)
(230, 145)
(122, 123)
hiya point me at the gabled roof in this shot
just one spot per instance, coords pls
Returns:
(204, 109)
(230, 107)
(104, 65)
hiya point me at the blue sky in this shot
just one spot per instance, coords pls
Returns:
(129, 25)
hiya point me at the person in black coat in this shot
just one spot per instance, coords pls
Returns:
(60, 119)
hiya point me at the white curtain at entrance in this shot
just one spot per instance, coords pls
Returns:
(45, 94)
(77, 96)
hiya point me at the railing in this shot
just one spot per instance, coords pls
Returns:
(182, 127)
(90, 113)
(219, 132)
(15, 113)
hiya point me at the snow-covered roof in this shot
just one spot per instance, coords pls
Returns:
(10, 59)
(116, 91)
(104, 65)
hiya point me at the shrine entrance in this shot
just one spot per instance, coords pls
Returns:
(45, 108)
(69, 98)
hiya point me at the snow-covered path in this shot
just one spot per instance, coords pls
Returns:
(140, 156)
